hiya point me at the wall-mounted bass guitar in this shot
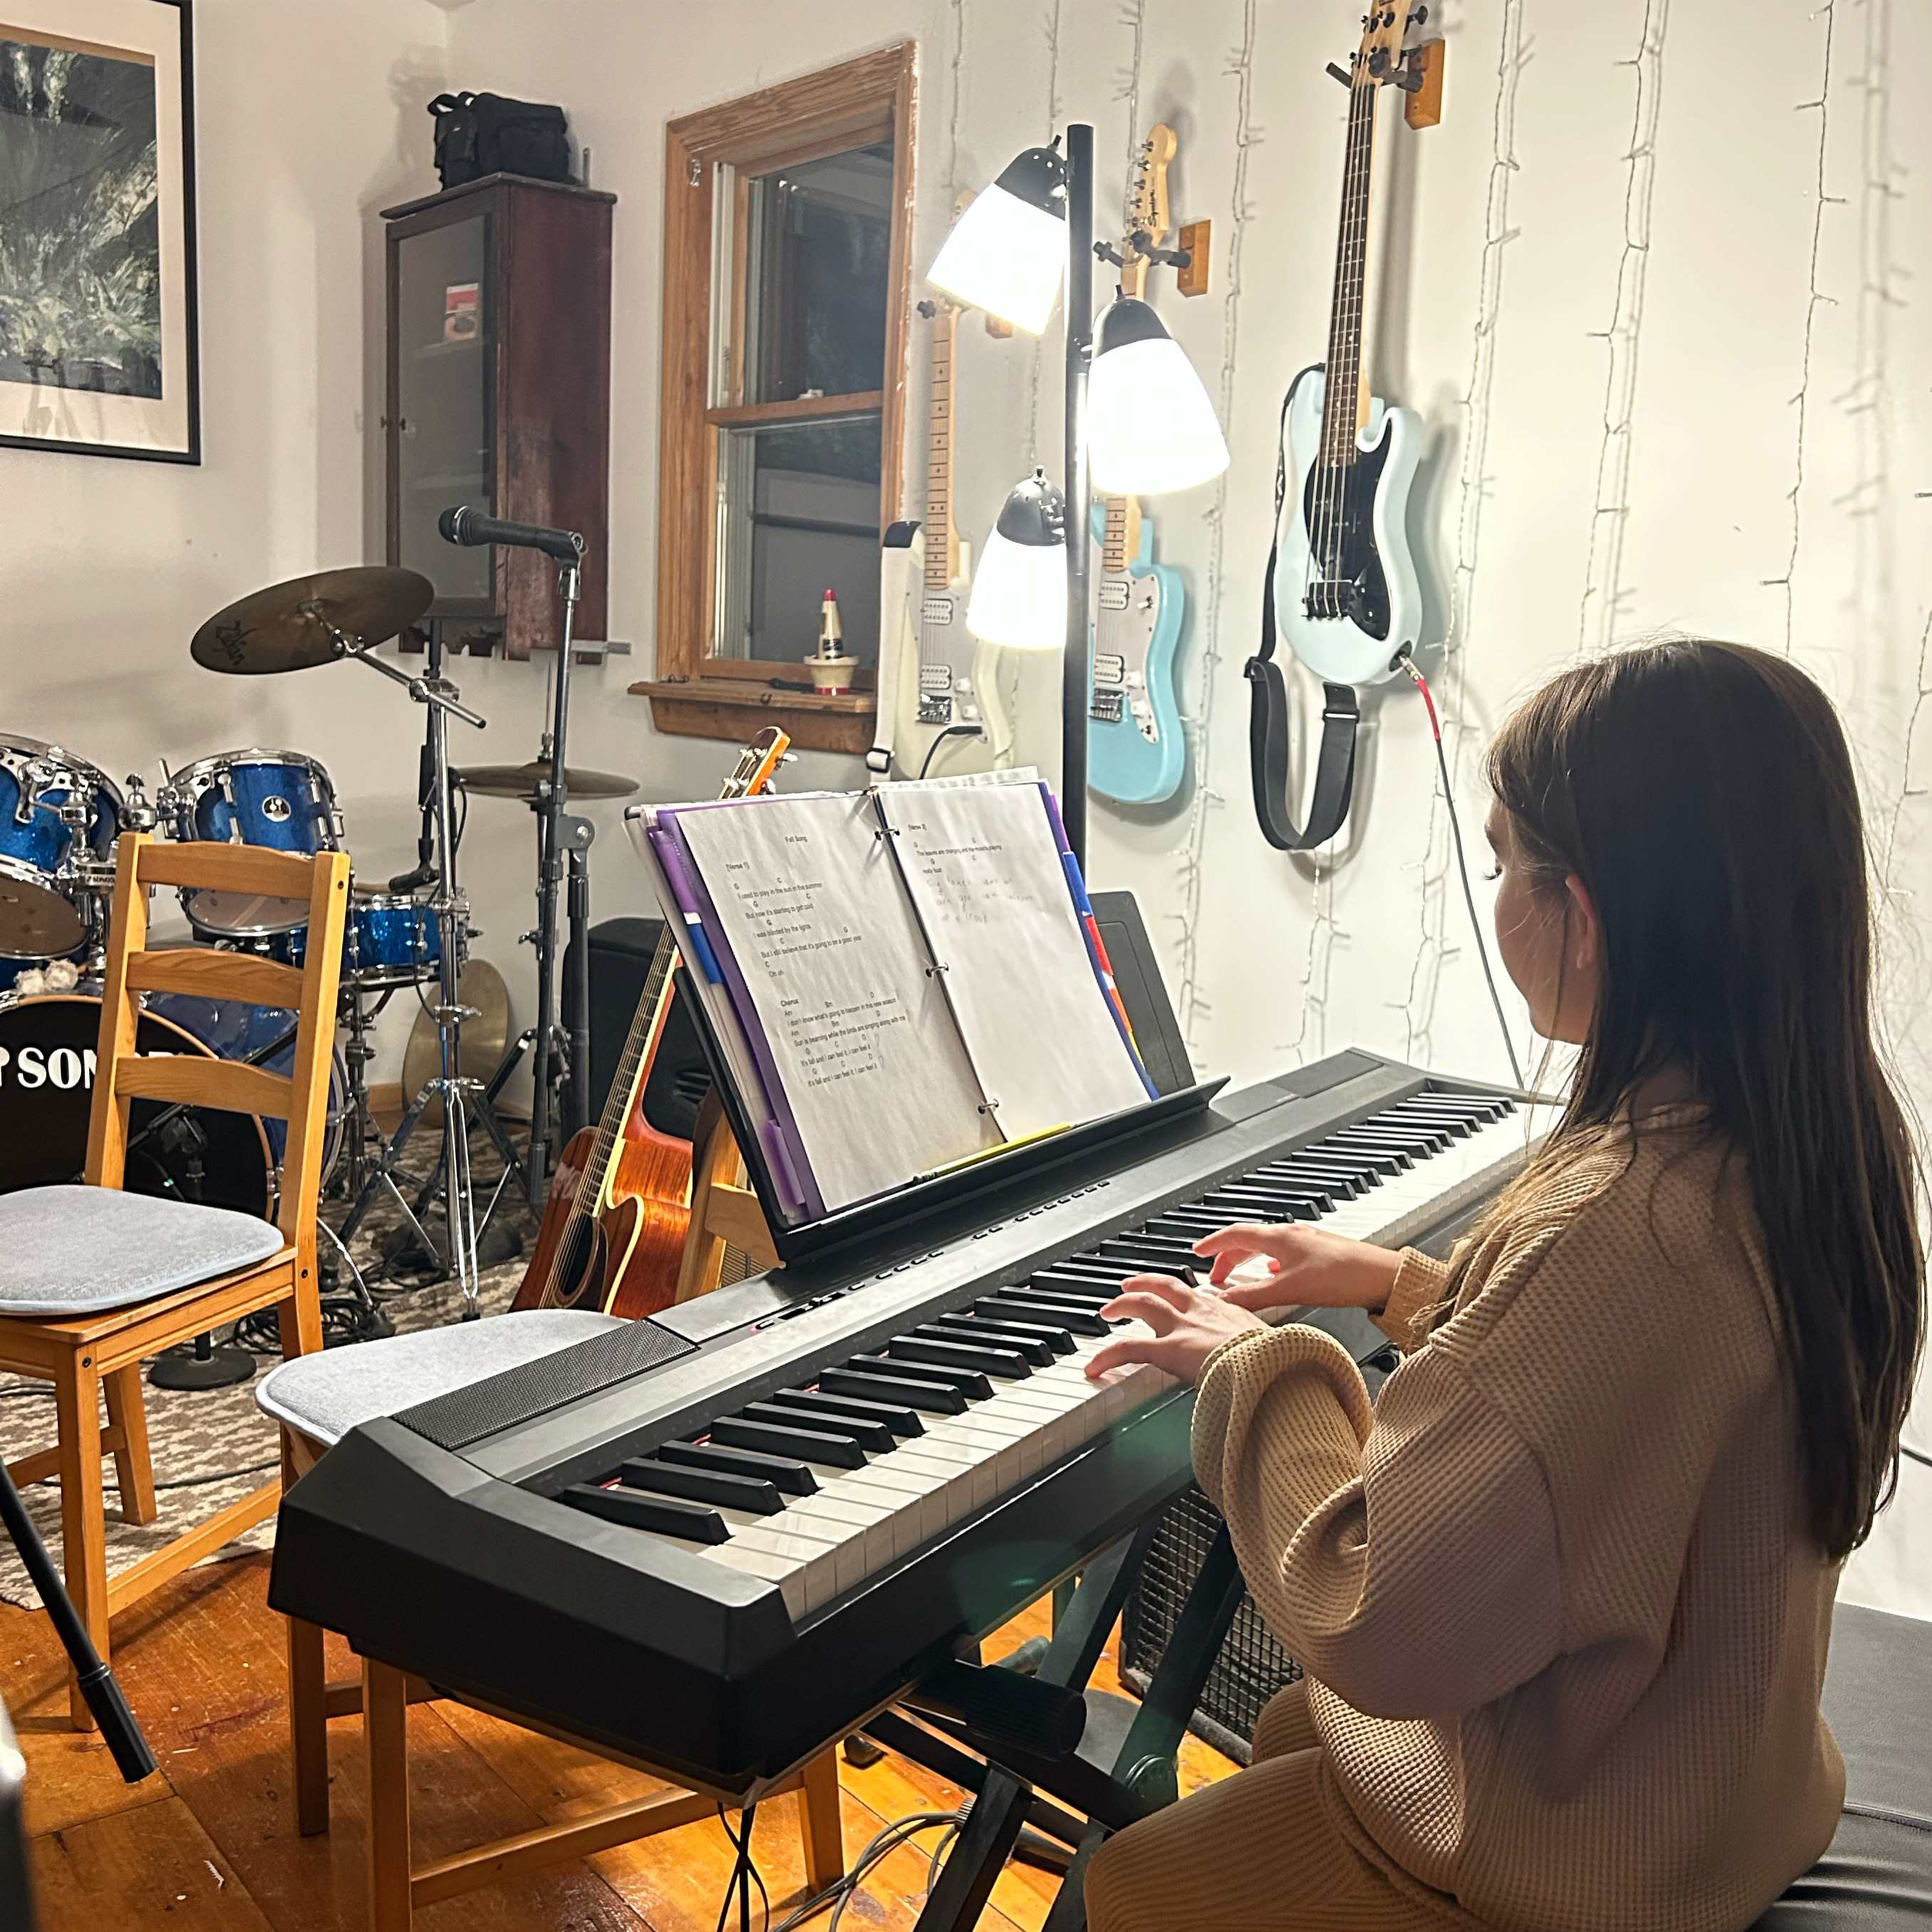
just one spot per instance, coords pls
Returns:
(1341, 589)
(614, 1222)
(940, 704)
(1137, 752)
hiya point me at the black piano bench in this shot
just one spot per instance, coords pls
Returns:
(1877, 1875)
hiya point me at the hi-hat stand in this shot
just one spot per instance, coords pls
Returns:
(457, 1093)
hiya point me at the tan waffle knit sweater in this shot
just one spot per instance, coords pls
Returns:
(1565, 1629)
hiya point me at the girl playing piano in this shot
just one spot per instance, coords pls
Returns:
(1563, 1595)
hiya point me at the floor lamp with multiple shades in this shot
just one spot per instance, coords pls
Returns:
(1008, 254)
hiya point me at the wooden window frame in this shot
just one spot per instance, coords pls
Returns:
(694, 694)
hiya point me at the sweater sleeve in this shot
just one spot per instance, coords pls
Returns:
(1420, 1284)
(1407, 1558)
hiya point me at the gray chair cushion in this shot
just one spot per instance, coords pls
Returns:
(66, 1251)
(1877, 1875)
(326, 1395)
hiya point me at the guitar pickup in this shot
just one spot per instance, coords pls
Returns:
(1109, 669)
(1108, 707)
(1115, 592)
(934, 680)
(936, 610)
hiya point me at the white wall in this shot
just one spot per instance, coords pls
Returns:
(1667, 385)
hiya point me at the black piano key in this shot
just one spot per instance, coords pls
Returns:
(1078, 1318)
(969, 1382)
(1417, 1142)
(782, 1472)
(873, 1437)
(1055, 1330)
(1142, 1253)
(1095, 1285)
(1458, 1126)
(753, 1493)
(1344, 1182)
(693, 1522)
(1307, 1200)
(1261, 1208)
(809, 1445)
(895, 1416)
(942, 1351)
(988, 1334)
(1377, 1159)
(935, 1398)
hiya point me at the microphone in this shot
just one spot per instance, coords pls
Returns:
(459, 524)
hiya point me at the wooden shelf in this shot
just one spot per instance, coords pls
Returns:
(723, 707)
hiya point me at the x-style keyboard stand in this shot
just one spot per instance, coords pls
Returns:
(1125, 1766)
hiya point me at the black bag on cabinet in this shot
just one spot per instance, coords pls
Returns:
(479, 134)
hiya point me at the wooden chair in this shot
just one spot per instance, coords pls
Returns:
(317, 1403)
(94, 1280)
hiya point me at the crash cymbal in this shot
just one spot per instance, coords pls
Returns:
(521, 782)
(286, 626)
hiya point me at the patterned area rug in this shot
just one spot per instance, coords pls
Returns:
(211, 1446)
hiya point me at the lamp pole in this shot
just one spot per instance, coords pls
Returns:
(1077, 669)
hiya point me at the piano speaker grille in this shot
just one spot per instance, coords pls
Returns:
(1251, 1666)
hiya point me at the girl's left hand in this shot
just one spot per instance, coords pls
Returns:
(1188, 1323)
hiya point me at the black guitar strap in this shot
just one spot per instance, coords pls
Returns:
(1268, 717)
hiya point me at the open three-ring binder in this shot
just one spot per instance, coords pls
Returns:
(904, 992)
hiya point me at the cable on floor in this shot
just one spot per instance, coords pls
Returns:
(840, 1893)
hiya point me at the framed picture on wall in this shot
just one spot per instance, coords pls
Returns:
(97, 313)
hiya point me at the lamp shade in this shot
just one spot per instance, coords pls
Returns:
(1007, 253)
(1150, 425)
(1019, 588)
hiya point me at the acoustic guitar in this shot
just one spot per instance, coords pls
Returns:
(619, 1203)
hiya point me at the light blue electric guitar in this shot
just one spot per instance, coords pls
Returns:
(1136, 751)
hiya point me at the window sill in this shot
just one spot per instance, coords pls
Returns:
(732, 708)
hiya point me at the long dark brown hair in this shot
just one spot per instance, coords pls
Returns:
(1704, 794)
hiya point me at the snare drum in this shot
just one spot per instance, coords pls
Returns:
(47, 1047)
(59, 818)
(279, 799)
(392, 939)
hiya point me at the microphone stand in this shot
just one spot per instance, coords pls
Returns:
(553, 830)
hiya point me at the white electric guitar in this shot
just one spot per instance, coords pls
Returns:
(1346, 599)
(940, 712)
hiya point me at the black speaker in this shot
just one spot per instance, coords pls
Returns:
(621, 953)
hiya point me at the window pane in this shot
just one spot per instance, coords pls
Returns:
(446, 382)
(818, 243)
(798, 514)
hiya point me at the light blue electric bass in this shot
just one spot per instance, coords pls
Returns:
(1136, 751)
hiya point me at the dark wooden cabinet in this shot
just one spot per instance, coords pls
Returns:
(499, 396)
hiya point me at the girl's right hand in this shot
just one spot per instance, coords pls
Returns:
(1306, 1267)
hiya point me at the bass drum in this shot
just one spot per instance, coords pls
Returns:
(47, 1049)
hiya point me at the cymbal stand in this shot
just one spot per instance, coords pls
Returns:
(440, 697)
(555, 832)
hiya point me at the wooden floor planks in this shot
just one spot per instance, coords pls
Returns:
(210, 1840)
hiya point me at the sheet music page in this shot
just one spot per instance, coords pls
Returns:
(984, 868)
(865, 1045)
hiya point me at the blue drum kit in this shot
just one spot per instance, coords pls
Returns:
(60, 819)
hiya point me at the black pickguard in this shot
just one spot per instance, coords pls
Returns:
(1345, 573)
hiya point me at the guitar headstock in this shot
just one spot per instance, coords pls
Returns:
(1147, 211)
(757, 762)
(1383, 28)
